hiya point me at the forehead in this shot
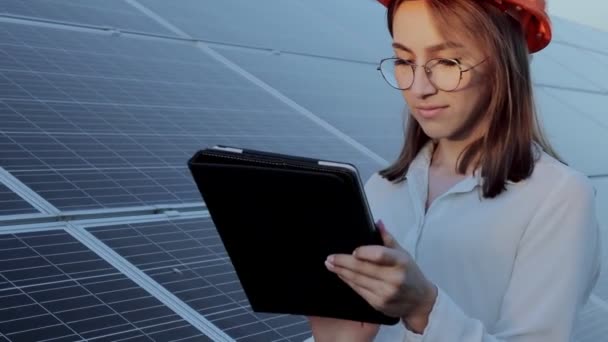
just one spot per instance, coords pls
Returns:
(415, 28)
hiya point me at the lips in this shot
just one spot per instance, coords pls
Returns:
(429, 112)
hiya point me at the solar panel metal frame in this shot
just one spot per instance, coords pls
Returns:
(182, 218)
(91, 246)
(169, 299)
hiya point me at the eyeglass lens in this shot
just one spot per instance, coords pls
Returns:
(444, 74)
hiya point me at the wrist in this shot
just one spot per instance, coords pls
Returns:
(417, 320)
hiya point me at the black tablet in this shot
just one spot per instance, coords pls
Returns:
(279, 217)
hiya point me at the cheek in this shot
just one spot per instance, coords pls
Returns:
(475, 79)
(464, 104)
(468, 99)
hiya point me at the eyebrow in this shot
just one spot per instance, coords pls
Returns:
(431, 49)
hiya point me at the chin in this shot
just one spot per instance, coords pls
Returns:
(436, 132)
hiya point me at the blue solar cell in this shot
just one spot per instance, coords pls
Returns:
(53, 287)
(11, 203)
(127, 107)
(352, 97)
(113, 13)
(11, 90)
(560, 111)
(570, 32)
(188, 259)
(271, 24)
(546, 71)
(111, 188)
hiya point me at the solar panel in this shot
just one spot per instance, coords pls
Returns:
(579, 35)
(272, 24)
(113, 13)
(559, 117)
(187, 257)
(547, 71)
(54, 288)
(94, 189)
(13, 204)
(365, 21)
(585, 103)
(595, 71)
(88, 138)
(352, 97)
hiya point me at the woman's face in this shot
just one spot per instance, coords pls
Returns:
(453, 115)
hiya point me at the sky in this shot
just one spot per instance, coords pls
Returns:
(589, 12)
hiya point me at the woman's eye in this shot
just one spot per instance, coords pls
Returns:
(449, 62)
(403, 62)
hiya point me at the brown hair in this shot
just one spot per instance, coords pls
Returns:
(505, 152)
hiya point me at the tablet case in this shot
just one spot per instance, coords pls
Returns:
(278, 239)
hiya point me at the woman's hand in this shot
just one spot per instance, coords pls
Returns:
(325, 329)
(388, 279)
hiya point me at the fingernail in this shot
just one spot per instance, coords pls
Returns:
(380, 224)
(329, 265)
(330, 259)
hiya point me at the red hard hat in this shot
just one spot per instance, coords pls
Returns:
(532, 15)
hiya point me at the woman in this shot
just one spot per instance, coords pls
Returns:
(488, 236)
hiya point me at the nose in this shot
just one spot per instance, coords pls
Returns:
(422, 86)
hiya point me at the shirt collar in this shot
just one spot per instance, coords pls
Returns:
(419, 171)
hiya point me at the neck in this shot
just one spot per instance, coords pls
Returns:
(447, 151)
(446, 155)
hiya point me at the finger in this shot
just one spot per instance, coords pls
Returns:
(361, 280)
(387, 238)
(369, 296)
(379, 255)
(385, 277)
(357, 265)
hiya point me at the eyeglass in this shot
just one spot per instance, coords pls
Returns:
(444, 73)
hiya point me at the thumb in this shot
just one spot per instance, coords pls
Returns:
(387, 238)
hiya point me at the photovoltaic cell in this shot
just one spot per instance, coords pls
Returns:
(189, 260)
(595, 71)
(588, 104)
(547, 71)
(13, 204)
(54, 288)
(559, 117)
(571, 32)
(92, 189)
(272, 24)
(374, 35)
(113, 13)
(95, 121)
(352, 97)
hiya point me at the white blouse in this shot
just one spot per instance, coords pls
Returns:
(518, 267)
